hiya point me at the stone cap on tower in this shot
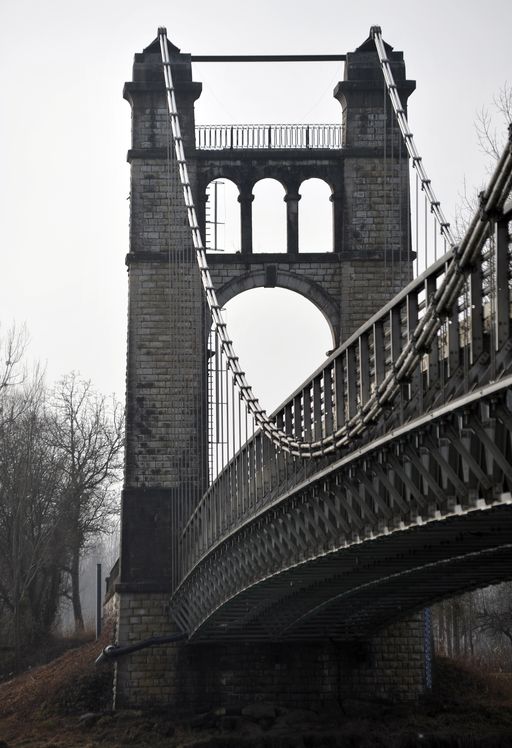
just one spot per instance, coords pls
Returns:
(146, 91)
(363, 71)
(361, 92)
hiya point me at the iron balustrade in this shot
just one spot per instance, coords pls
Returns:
(246, 137)
(471, 348)
(420, 338)
(441, 343)
(387, 498)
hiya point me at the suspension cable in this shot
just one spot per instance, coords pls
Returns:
(426, 185)
(458, 267)
(278, 436)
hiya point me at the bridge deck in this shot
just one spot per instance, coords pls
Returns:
(406, 476)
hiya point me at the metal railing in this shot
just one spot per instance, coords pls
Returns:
(470, 348)
(301, 432)
(276, 137)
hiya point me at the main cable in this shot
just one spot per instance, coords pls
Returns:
(278, 436)
(459, 262)
(426, 185)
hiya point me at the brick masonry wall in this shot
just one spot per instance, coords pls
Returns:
(165, 392)
(165, 457)
(192, 678)
(144, 678)
(166, 410)
(347, 292)
(372, 260)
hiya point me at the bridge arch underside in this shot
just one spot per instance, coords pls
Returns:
(347, 292)
(425, 514)
(355, 592)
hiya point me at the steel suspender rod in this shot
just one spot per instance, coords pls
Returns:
(459, 266)
(277, 435)
(407, 135)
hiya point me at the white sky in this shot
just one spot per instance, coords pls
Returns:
(65, 130)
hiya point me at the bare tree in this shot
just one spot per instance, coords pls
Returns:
(60, 458)
(494, 612)
(30, 518)
(87, 430)
(492, 136)
(491, 125)
(12, 349)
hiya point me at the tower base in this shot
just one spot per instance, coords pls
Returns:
(194, 678)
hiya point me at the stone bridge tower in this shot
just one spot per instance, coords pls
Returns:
(166, 442)
(369, 182)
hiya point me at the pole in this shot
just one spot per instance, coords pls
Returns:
(98, 601)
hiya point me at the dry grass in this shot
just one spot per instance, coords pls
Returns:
(41, 709)
(33, 704)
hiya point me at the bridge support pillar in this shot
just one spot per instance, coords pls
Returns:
(145, 676)
(193, 678)
(245, 199)
(166, 411)
(166, 468)
(292, 222)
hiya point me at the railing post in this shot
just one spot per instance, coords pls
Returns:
(453, 339)
(417, 377)
(476, 333)
(395, 333)
(339, 390)
(379, 353)
(317, 407)
(351, 380)
(258, 469)
(364, 368)
(282, 467)
(297, 416)
(433, 354)
(328, 399)
(500, 281)
(306, 406)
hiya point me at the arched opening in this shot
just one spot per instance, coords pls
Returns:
(222, 216)
(280, 338)
(315, 217)
(269, 217)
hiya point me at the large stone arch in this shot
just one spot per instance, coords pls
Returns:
(302, 285)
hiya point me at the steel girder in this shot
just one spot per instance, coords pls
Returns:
(418, 514)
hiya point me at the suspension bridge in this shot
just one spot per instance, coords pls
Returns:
(383, 483)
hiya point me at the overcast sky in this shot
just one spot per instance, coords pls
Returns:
(65, 130)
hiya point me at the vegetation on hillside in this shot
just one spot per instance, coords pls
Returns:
(60, 459)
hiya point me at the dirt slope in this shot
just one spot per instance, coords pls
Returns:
(66, 704)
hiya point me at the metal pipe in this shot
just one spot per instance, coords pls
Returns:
(113, 651)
